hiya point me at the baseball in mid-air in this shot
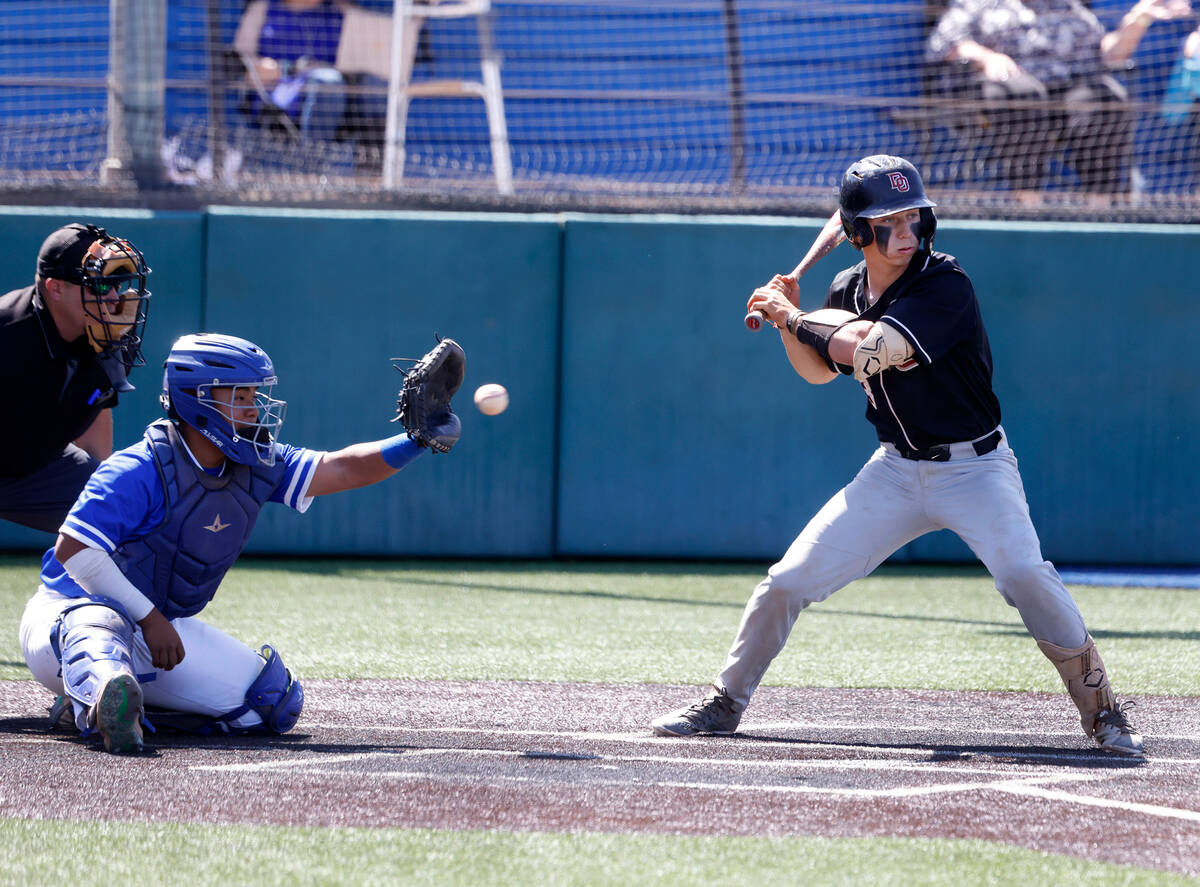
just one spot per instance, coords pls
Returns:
(492, 399)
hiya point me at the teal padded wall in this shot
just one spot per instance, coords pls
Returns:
(645, 420)
(173, 244)
(683, 434)
(719, 450)
(333, 296)
(1088, 325)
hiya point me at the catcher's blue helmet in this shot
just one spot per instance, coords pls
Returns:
(203, 361)
(878, 186)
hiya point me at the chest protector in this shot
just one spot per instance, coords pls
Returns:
(180, 563)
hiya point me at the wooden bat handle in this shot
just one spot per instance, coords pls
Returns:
(831, 235)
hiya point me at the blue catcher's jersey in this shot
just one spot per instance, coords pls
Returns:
(945, 394)
(124, 500)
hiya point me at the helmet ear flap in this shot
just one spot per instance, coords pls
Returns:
(863, 235)
(928, 226)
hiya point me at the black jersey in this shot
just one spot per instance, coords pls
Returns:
(944, 395)
(52, 390)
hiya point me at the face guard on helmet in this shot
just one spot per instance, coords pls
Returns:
(879, 186)
(200, 363)
(115, 298)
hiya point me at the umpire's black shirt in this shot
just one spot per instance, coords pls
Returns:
(945, 394)
(52, 390)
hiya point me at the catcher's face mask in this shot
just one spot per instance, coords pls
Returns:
(115, 298)
(253, 417)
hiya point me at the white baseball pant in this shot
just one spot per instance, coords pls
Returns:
(891, 502)
(212, 679)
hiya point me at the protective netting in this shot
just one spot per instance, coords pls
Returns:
(745, 105)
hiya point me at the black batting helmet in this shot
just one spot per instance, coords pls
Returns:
(878, 186)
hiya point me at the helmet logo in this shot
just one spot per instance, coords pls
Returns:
(899, 181)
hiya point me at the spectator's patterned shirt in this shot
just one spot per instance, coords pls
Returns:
(1053, 40)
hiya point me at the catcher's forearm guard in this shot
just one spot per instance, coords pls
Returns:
(423, 405)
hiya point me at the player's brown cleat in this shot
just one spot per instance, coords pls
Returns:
(117, 715)
(1114, 733)
(715, 713)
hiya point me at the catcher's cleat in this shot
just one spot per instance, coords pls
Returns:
(1114, 733)
(715, 713)
(62, 715)
(117, 715)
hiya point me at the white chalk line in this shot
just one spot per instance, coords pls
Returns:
(888, 764)
(231, 744)
(1131, 806)
(1029, 786)
(647, 738)
(899, 792)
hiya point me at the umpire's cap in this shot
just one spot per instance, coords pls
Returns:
(878, 186)
(62, 253)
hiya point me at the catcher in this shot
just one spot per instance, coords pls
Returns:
(113, 627)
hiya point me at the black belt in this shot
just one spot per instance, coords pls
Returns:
(941, 453)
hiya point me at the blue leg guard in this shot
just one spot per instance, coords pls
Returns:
(95, 643)
(275, 696)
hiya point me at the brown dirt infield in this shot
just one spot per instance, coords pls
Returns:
(1006, 767)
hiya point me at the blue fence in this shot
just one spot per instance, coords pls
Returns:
(645, 84)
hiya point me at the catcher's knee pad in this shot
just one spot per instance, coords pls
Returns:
(95, 643)
(276, 696)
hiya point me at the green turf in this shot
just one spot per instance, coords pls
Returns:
(148, 855)
(937, 628)
(618, 622)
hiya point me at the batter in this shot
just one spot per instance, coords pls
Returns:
(906, 325)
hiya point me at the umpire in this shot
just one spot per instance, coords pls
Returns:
(66, 345)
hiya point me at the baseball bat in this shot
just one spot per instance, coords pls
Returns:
(828, 238)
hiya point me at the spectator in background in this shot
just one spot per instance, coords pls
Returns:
(1181, 109)
(290, 48)
(1044, 71)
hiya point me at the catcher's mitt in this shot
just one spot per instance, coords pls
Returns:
(423, 405)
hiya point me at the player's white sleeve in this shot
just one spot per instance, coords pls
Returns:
(301, 467)
(97, 574)
(88, 534)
